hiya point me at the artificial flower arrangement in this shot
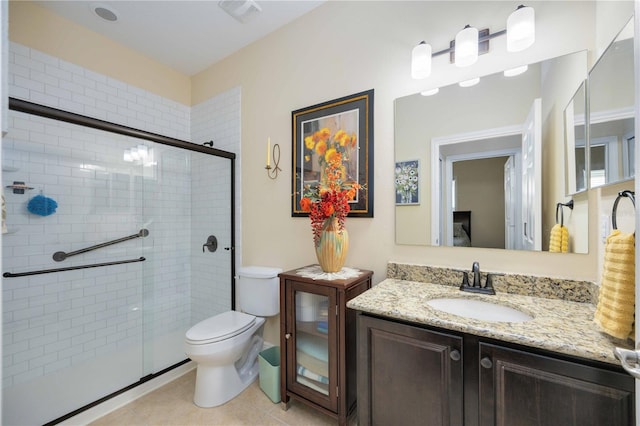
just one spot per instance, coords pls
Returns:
(330, 197)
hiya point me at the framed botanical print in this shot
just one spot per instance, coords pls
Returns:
(343, 126)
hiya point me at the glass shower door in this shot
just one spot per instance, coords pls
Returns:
(101, 320)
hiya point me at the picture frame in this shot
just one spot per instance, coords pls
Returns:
(407, 182)
(352, 114)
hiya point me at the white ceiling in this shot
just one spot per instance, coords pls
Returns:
(188, 36)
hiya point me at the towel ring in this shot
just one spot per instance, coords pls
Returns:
(621, 194)
(559, 208)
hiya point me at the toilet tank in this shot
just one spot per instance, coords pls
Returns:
(258, 290)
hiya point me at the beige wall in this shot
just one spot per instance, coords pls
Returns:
(36, 27)
(334, 51)
(480, 189)
(338, 49)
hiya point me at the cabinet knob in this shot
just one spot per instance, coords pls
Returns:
(455, 355)
(486, 362)
(287, 336)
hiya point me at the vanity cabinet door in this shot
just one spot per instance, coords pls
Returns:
(408, 375)
(520, 388)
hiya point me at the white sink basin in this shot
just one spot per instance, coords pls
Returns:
(478, 309)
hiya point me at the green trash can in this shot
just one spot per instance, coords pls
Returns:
(269, 361)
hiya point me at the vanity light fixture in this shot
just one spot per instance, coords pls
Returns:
(512, 72)
(471, 42)
(469, 83)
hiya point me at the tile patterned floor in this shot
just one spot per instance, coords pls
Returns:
(173, 404)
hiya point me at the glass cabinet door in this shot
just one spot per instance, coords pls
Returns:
(312, 345)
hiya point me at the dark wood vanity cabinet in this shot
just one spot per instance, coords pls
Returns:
(414, 375)
(521, 388)
(408, 375)
(318, 342)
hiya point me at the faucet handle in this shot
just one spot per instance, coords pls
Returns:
(465, 280)
(489, 280)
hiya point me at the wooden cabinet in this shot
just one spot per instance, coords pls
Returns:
(408, 375)
(520, 388)
(426, 376)
(318, 342)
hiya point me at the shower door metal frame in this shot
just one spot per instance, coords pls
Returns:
(94, 123)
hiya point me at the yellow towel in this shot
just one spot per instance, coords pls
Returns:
(559, 239)
(616, 299)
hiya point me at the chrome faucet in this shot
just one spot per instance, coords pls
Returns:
(477, 287)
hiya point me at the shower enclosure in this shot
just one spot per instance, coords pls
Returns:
(115, 242)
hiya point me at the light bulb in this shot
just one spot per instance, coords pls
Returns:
(515, 71)
(466, 46)
(421, 61)
(469, 83)
(521, 29)
(430, 92)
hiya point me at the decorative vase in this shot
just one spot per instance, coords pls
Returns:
(332, 248)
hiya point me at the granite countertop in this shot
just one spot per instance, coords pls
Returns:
(558, 325)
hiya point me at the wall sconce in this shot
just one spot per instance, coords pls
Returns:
(272, 172)
(471, 42)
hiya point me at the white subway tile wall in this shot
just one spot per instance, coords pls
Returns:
(54, 321)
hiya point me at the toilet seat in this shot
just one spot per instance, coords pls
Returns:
(220, 327)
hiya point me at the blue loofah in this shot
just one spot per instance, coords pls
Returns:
(42, 205)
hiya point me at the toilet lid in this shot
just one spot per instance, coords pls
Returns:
(220, 327)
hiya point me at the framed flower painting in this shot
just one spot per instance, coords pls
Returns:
(407, 176)
(333, 150)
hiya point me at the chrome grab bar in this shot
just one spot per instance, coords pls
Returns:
(59, 256)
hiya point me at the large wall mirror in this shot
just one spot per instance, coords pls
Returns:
(487, 158)
(611, 113)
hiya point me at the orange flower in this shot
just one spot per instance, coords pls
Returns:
(305, 204)
(321, 147)
(327, 209)
(354, 141)
(324, 133)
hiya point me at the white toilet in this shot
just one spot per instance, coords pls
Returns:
(226, 346)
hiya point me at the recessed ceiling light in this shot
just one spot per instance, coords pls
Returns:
(105, 12)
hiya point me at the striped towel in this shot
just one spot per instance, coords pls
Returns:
(616, 299)
(559, 240)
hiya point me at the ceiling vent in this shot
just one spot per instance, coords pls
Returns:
(105, 12)
(241, 10)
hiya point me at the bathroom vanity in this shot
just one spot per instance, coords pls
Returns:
(420, 365)
(318, 339)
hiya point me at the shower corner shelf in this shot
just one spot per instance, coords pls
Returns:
(9, 169)
(19, 187)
